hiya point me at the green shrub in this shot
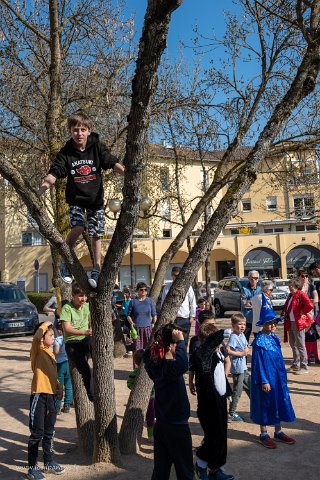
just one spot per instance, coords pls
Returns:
(39, 299)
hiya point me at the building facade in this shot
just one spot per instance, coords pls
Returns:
(275, 231)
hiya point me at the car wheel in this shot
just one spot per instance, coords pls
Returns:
(218, 309)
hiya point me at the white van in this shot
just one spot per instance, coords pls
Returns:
(282, 284)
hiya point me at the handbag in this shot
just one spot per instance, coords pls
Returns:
(305, 321)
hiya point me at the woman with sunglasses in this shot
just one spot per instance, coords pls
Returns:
(142, 315)
(297, 308)
(308, 288)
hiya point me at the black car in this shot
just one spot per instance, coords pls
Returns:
(17, 314)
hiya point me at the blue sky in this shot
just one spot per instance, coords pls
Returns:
(207, 14)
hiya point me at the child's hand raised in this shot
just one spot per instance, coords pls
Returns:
(177, 335)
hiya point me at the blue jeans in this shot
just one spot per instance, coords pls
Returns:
(186, 325)
(65, 380)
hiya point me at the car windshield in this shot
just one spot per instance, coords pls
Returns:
(282, 283)
(10, 295)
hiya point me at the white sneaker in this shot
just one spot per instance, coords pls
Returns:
(302, 371)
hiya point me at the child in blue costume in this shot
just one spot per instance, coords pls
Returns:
(270, 402)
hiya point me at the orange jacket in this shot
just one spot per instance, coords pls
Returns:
(43, 364)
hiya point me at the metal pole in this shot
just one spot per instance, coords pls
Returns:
(132, 279)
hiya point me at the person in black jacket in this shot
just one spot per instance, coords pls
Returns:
(166, 361)
(212, 390)
(81, 161)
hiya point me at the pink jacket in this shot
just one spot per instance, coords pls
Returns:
(300, 305)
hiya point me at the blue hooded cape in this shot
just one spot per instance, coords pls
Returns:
(268, 367)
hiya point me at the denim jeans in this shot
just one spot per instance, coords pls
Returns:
(64, 378)
(240, 381)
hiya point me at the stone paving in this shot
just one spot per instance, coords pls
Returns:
(247, 459)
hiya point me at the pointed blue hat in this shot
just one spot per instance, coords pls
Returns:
(267, 314)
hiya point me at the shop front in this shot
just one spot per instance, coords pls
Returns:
(266, 261)
(301, 257)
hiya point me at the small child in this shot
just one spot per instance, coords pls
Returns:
(45, 389)
(238, 349)
(75, 316)
(311, 337)
(64, 376)
(82, 160)
(150, 415)
(205, 316)
(201, 306)
(212, 389)
(270, 402)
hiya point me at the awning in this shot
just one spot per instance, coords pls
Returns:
(240, 225)
(302, 256)
(261, 259)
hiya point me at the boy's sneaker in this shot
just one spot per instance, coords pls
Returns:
(53, 467)
(267, 441)
(282, 437)
(59, 411)
(220, 475)
(34, 473)
(66, 409)
(235, 418)
(93, 280)
(301, 371)
(65, 273)
(201, 473)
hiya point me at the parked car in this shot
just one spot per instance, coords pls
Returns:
(202, 291)
(17, 314)
(282, 284)
(227, 295)
(278, 298)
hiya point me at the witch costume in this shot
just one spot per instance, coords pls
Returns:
(267, 367)
(212, 391)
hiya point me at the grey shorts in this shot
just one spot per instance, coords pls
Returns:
(91, 220)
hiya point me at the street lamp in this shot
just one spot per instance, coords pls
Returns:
(114, 205)
(145, 205)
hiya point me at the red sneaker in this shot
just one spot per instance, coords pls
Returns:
(267, 442)
(282, 437)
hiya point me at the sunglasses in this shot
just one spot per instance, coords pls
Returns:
(270, 289)
(143, 289)
(304, 276)
(254, 278)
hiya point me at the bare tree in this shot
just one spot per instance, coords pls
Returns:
(152, 45)
(293, 54)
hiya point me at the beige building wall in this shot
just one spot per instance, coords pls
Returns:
(233, 245)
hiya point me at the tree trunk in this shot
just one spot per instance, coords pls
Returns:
(84, 411)
(132, 424)
(106, 448)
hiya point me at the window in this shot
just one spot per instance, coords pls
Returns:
(273, 230)
(305, 228)
(271, 203)
(166, 233)
(32, 238)
(164, 178)
(303, 206)
(165, 210)
(234, 231)
(246, 205)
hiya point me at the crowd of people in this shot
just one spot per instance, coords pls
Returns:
(214, 354)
